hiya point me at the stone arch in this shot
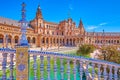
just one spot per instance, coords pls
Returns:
(74, 41)
(60, 40)
(51, 40)
(118, 42)
(57, 40)
(43, 40)
(70, 42)
(33, 40)
(1, 38)
(67, 41)
(77, 40)
(47, 40)
(9, 38)
(28, 38)
(16, 39)
(63, 41)
(54, 40)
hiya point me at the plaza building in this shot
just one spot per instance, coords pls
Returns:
(44, 34)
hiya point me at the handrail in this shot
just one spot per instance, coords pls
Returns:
(70, 56)
(60, 55)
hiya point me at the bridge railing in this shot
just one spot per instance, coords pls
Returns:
(82, 68)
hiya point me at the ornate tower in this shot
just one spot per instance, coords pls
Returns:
(81, 27)
(39, 13)
(22, 50)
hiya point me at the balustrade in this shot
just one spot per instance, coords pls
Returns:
(86, 67)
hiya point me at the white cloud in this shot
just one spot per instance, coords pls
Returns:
(70, 7)
(102, 24)
(92, 27)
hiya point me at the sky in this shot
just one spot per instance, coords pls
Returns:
(95, 14)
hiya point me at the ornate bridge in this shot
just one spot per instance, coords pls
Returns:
(105, 70)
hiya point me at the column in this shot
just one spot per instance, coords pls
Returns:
(44, 42)
(81, 70)
(105, 73)
(93, 71)
(87, 72)
(42, 67)
(35, 67)
(55, 69)
(22, 59)
(68, 69)
(11, 66)
(12, 42)
(115, 73)
(49, 42)
(99, 72)
(4, 41)
(110, 73)
(74, 69)
(4, 63)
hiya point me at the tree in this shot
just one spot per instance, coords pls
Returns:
(85, 50)
(110, 53)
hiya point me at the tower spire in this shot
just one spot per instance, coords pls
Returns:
(39, 13)
(80, 24)
(23, 40)
(23, 12)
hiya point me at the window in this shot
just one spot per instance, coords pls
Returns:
(1, 40)
(62, 33)
(52, 33)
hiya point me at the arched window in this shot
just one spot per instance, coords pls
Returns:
(47, 40)
(33, 40)
(16, 39)
(43, 40)
(28, 38)
(9, 39)
(54, 40)
(1, 38)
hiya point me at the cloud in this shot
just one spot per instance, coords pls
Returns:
(70, 7)
(92, 27)
(102, 24)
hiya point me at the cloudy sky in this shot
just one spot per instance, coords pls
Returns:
(95, 14)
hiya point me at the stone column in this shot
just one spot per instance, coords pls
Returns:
(81, 70)
(4, 63)
(42, 67)
(12, 42)
(4, 41)
(35, 67)
(74, 69)
(11, 66)
(68, 69)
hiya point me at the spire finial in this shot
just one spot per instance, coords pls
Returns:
(39, 13)
(23, 40)
(23, 12)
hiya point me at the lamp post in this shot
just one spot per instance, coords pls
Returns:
(103, 37)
